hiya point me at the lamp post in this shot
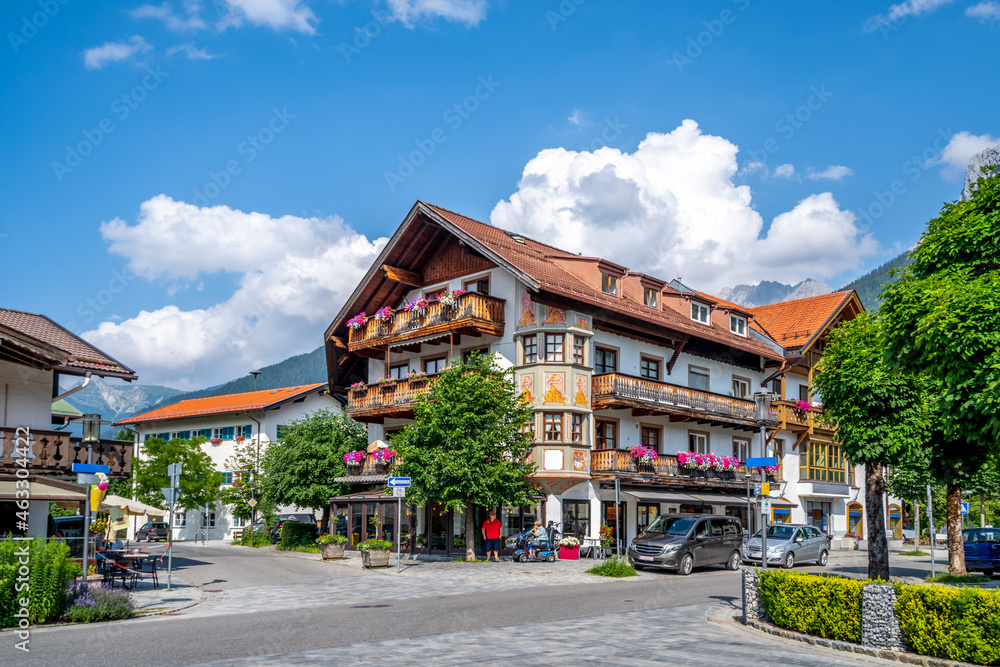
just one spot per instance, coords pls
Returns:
(762, 413)
(91, 434)
(256, 461)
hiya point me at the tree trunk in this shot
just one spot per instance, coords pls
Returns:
(413, 530)
(916, 525)
(956, 547)
(325, 523)
(470, 533)
(878, 546)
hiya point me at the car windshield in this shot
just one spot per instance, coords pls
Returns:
(778, 532)
(669, 525)
(983, 535)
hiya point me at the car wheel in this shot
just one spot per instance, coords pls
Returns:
(823, 558)
(734, 561)
(988, 573)
(551, 558)
(789, 561)
(687, 564)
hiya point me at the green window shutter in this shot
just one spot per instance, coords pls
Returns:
(184, 435)
(163, 436)
(227, 433)
(205, 433)
(248, 430)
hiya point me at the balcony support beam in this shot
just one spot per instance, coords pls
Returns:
(403, 276)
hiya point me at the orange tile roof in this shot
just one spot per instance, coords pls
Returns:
(228, 403)
(534, 260)
(793, 323)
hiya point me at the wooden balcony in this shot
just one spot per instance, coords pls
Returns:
(474, 315)
(666, 469)
(54, 453)
(649, 397)
(801, 421)
(369, 471)
(375, 402)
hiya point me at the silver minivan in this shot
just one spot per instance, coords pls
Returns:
(684, 541)
(788, 544)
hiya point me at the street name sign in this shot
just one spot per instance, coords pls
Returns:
(92, 468)
(762, 462)
(399, 481)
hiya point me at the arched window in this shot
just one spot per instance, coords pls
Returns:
(856, 519)
(896, 522)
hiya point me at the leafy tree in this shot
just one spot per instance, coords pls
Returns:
(246, 466)
(199, 482)
(467, 447)
(881, 417)
(300, 468)
(942, 318)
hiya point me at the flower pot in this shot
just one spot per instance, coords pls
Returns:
(372, 559)
(354, 468)
(333, 551)
(569, 553)
(848, 544)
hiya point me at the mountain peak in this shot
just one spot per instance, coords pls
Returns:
(767, 292)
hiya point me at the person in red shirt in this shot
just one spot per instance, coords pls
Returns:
(491, 533)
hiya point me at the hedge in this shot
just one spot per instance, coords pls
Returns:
(49, 573)
(295, 534)
(822, 606)
(956, 623)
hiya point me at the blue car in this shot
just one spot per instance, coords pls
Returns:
(982, 550)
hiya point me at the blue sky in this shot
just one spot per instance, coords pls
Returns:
(197, 186)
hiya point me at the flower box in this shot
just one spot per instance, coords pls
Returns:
(849, 544)
(377, 558)
(333, 551)
(569, 553)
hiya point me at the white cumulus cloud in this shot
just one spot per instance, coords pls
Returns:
(985, 12)
(293, 275)
(785, 171)
(192, 52)
(836, 172)
(671, 209)
(904, 10)
(469, 12)
(112, 52)
(277, 14)
(962, 146)
(190, 21)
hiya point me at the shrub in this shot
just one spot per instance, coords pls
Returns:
(295, 534)
(956, 623)
(327, 538)
(614, 567)
(822, 606)
(99, 603)
(50, 572)
(375, 545)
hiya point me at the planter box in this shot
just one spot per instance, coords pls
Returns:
(333, 551)
(372, 559)
(848, 544)
(569, 553)
(895, 544)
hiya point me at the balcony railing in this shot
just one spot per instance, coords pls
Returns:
(474, 313)
(664, 465)
(625, 390)
(369, 467)
(792, 419)
(54, 452)
(385, 399)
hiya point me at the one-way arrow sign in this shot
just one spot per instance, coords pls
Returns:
(399, 481)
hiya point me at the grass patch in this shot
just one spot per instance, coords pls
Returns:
(302, 548)
(614, 567)
(916, 552)
(945, 578)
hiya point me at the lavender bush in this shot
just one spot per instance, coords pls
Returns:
(99, 603)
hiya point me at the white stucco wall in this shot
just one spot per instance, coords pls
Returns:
(25, 396)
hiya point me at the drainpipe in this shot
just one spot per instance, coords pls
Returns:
(83, 385)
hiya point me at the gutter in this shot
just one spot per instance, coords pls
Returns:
(82, 386)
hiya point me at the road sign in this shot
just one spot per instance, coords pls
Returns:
(93, 468)
(399, 481)
(765, 507)
(252, 502)
(762, 488)
(87, 478)
(170, 495)
(399, 492)
(762, 462)
(965, 508)
(174, 472)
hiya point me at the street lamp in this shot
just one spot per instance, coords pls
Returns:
(91, 434)
(762, 413)
(256, 462)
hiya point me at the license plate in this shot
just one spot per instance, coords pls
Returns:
(645, 558)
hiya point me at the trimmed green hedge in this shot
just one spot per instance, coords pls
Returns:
(955, 623)
(822, 606)
(295, 534)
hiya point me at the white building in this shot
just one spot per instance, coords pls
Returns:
(611, 359)
(255, 418)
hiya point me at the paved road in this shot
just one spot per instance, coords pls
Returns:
(445, 613)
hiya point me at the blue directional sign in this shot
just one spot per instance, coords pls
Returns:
(93, 468)
(399, 481)
(965, 508)
(762, 462)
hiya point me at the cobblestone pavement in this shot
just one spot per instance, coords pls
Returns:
(678, 635)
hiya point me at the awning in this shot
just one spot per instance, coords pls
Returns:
(134, 507)
(661, 496)
(40, 488)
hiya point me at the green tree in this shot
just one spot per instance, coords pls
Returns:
(300, 468)
(467, 447)
(245, 464)
(199, 481)
(942, 318)
(881, 417)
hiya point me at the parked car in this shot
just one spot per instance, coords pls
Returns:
(789, 543)
(153, 531)
(300, 517)
(982, 550)
(682, 542)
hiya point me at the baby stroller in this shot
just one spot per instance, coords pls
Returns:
(543, 550)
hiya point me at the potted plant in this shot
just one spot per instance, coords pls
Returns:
(569, 548)
(387, 382)
(383, 314)
(607, 538)
(644, 457)
(375, 553)
(332, 546)
(418, 306)
(801, 408)
(354, 460)
(450, 299)
(383, 457)
(357, 321)
(849, 542)
(358, 387)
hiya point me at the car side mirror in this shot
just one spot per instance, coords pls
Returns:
(701, 537)
(798, 539)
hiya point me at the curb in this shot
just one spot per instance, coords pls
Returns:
(848, 647)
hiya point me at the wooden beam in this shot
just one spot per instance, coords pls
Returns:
(798, 442)
(673, 358)
(403, 276)
(339, 342)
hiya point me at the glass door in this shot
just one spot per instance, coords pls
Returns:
(646, 514)
(439, 516)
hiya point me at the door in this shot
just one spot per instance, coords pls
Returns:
(820, 542)
(719, 548)
(700, 544)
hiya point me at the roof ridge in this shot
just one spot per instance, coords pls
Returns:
(254, 391)
(499, 229)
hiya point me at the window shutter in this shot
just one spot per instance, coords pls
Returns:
(205, 433)
(184, 435)
(227, 433)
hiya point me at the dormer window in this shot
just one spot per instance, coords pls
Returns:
(650, 297)
(738, 325)
(609, 284)
(699, 312)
